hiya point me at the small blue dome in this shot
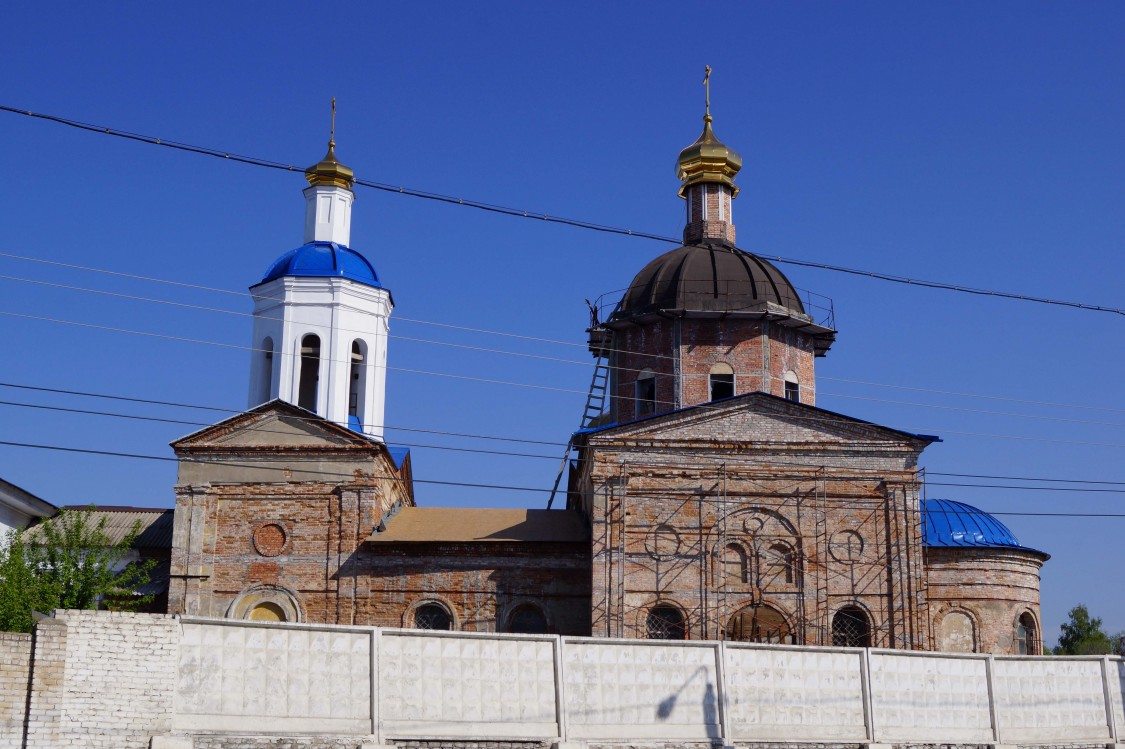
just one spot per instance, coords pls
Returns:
(323, 259)
(950, 523)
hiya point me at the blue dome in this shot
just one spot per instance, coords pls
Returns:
(950, 523)
(323, 259)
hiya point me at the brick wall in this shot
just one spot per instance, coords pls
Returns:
(102, 679)
(760, 353)
(15, 675)
(985, 591)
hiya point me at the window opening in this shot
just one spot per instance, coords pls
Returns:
(645, 395)
(265, 383)
(1025, 635)
(792, 387)
(357, 385)
(760, 623)
(665, 623)
(850, 628)
(528, 619)
(310, 372)
(779, 562)
(432, 616)
(721, 381)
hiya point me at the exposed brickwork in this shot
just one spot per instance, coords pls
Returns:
(992, 587)
(15, 676)
(715, 221)
(760, 353)
(300, 546)
(782, 516)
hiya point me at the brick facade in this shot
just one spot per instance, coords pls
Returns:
(681, 352)
(248, 543)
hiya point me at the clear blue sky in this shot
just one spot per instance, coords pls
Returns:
(977, 143)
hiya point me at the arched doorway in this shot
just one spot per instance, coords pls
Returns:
(851, 628)
(760, 623)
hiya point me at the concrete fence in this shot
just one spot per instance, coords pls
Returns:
(127, 678)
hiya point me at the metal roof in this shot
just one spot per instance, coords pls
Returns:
(711, 277)
(323, 260)
(950, 523)
(156, 524)
(468, 525)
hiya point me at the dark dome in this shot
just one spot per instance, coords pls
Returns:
(707, 278)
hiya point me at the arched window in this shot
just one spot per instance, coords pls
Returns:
(310, 372)
(779, 565)
(645, 393)
(1027, 640)
(265, 371)
(357, 385)
(734, 564)
(850, 628)
(665, 623)
(267, 611)
(759, 624)
(433, 616)
(792, 387)
(528, 619)
(721, 381)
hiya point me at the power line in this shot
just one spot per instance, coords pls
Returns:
(647, 464)
(520, 213)
(492, 381)
(539, 356)
(538, 339)
(310, 471)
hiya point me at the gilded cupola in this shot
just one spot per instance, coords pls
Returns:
(329, 170)
(708, 159)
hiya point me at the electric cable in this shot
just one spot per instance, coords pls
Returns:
(520, 213)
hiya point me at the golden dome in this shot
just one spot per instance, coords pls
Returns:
(329, 171)
(708, 160)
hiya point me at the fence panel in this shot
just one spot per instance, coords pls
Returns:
(259, 678)
(635, 690)
(794, 693)
(1050, 699)
(1116, 674)
(930, 697)
(461, 685)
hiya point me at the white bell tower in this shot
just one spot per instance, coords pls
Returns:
(321, 315)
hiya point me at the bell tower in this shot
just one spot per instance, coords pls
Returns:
(321, 314)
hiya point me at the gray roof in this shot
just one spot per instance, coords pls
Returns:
(156, 524)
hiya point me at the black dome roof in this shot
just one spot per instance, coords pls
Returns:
(707, 278)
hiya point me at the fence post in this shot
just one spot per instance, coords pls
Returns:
(560, 681)
(868, 697)
(721, 700)
(376, 722)
(1111, 717)
(993, 713)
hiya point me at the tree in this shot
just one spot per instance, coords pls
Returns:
(68, 562)
(1083, 635)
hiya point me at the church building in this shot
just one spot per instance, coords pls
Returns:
(707, 496)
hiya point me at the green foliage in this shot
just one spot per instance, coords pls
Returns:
(68, 562)
(1083, 635)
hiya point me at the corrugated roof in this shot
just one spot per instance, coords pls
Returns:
(950, 523)
(156, 524)
(447, 524)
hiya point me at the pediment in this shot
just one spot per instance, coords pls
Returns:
(755, 417)
(277, 425)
